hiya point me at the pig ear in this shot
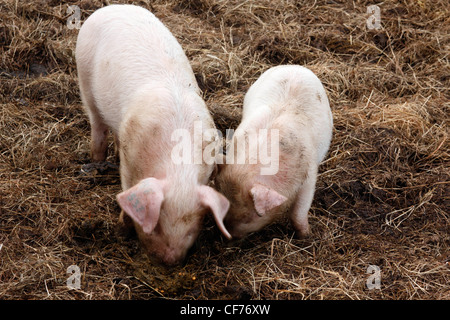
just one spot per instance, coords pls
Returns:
(218, 204)
(143, 202)
(265, 199)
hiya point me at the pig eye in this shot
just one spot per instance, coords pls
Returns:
(191, 232)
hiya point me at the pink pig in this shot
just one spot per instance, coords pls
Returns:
(136, 80)
(290, 103)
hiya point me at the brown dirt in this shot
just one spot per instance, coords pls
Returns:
(383, 193)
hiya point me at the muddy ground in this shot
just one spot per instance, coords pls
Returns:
(382, 196)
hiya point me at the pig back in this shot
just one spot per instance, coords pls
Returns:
(121, 48)
(293, 97)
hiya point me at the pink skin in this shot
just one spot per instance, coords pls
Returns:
(136, 81)
(169, 239)
(292, 100)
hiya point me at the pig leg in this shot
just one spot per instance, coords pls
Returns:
(99, 130)
(116, 147)
(99, 134)
(302, 203)
(99, 145)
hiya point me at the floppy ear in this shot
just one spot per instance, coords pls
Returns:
(265, 198)
(142, 202)
(218, 205)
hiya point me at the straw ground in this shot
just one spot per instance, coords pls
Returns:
(382, 197)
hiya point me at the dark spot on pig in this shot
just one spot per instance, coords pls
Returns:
(318, 97)
(284, 83)
(156, 131)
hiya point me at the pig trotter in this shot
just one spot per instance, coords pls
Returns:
(98, 168)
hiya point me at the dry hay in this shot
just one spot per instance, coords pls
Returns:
(382, 196)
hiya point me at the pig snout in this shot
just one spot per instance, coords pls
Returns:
(168, 218)
(171, 257)
(164, 255)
